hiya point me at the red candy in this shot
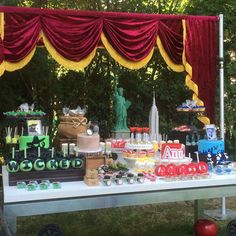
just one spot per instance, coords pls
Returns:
(192, 168)
(160, 170)
(183, 169)
(171, 170)
(202, 167)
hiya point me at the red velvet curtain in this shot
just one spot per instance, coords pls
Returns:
(132, 38)
(171, 35)
(21, 35)
(75, 34)
(201, 48)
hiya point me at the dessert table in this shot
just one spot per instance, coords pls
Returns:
(77, 196)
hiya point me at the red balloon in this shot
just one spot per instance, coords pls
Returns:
(183, 169)
(205, 227)
(172, 170)
(192, 168)
(160, 170)
(202, 167)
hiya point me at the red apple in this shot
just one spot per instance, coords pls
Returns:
(202, 167)
(160, 170)
(183, 169)
(192, 168)
(172, 170)
(205, 227)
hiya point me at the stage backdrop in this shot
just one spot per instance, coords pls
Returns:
(187, 43)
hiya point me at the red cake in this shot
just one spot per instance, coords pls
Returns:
(172, 151)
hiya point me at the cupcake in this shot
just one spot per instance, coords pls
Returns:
(142, 154)
(151, 153)
(131, 154)
(125, 153)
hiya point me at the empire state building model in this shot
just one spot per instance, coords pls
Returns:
(154, 121)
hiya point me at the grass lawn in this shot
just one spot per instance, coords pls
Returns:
(160, 219)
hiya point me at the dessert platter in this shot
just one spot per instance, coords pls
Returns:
(190, 106)
(84, 156)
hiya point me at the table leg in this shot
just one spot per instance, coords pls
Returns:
(10, 219)
(198, 209)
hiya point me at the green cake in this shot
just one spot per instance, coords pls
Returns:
(33, 141)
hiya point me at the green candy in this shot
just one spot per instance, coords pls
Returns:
(31, 187)
(26, 165)
(77, 163)
(64, 164)
(43, 186)
(39, 164)
(52, 164)
(13, 166)
(56, 185)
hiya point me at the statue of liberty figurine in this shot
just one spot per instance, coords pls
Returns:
(121, 106)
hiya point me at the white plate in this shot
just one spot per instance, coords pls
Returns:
(182, 161)
(83, 151)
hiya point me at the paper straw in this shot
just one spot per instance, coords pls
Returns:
(15, 131)
(38, 151)
(25, 153)
(47, 130)
(71, 148)
(13, 153)
(189, 155)
(22, 131)
(197, 157)
(52, 153)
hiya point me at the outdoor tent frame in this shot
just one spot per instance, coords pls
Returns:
(221, 70)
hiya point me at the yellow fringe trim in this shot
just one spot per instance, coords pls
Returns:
(9, 66)
(169, 62)
(2, 25)
(188, 80)
(12, 66)
(121, 60)
(2, 67)
(73, 65)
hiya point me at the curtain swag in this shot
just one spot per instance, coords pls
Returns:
(187, 43)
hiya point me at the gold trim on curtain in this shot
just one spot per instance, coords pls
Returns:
(2, 66)
(121, 60)
(73, 65)
(12, 66)
(2, 25)
(169, 62)
(188, 80)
